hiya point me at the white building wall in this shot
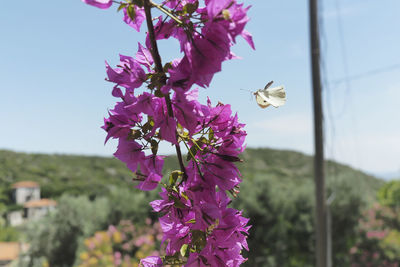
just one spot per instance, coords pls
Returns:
(38, 212)
(15, 218)
(24, 194)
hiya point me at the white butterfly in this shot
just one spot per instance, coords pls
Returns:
(270, 96)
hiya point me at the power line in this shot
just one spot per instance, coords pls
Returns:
(347, 78)
(329, 85)
(365, 74)
(343, 46)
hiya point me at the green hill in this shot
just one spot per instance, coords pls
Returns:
(294, 167)
(57, 174)
(277, 194)
(91, 175)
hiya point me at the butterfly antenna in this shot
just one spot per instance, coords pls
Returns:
(268, 84)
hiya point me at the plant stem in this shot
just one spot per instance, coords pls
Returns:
(194, 160)
(157, 61)
(167, 12)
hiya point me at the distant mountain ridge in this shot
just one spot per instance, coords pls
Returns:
(388, 175)
(94, 175)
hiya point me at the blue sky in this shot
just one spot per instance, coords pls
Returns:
(53, 96)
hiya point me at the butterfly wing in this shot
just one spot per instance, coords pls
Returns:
(261, 100)
(268, 85)
(275, 96)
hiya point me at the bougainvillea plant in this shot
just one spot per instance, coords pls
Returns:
(198, 226)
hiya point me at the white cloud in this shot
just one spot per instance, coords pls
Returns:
(363, 146)
(290, 124)
(375, 152)
(289, 131)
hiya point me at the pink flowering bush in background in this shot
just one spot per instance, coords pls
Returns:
(122, 246)
(159, 103)
(379, 240)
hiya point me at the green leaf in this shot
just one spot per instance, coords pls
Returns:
(192, 153)
(121, 6)
(180, 129)
(202, 141)
(151, 121)
(134, 134)
(211, 228)
(175, 189)
(191, 221)
(171, 260)
(184, 196)
(158, 93)
(174, 176)
(157, 80)
(139, 3)
(191, 8)
(149, 75)
(146, 127)
(131, 12)
(154, 146)
(177, 203)
(229, 158)
(210, 134)
(184, 250)
(167, 66)
(199, 240)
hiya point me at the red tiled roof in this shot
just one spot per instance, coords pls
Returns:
(44, 202)
(28, 184)
(9, 251)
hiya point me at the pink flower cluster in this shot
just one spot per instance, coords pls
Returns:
(376, 245)
(198, 226)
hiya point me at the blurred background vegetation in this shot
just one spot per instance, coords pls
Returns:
(102, 220)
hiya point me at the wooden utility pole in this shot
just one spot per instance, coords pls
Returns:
(320, 219)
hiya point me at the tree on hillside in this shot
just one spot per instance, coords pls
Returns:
(56, 237)
(281, 213)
